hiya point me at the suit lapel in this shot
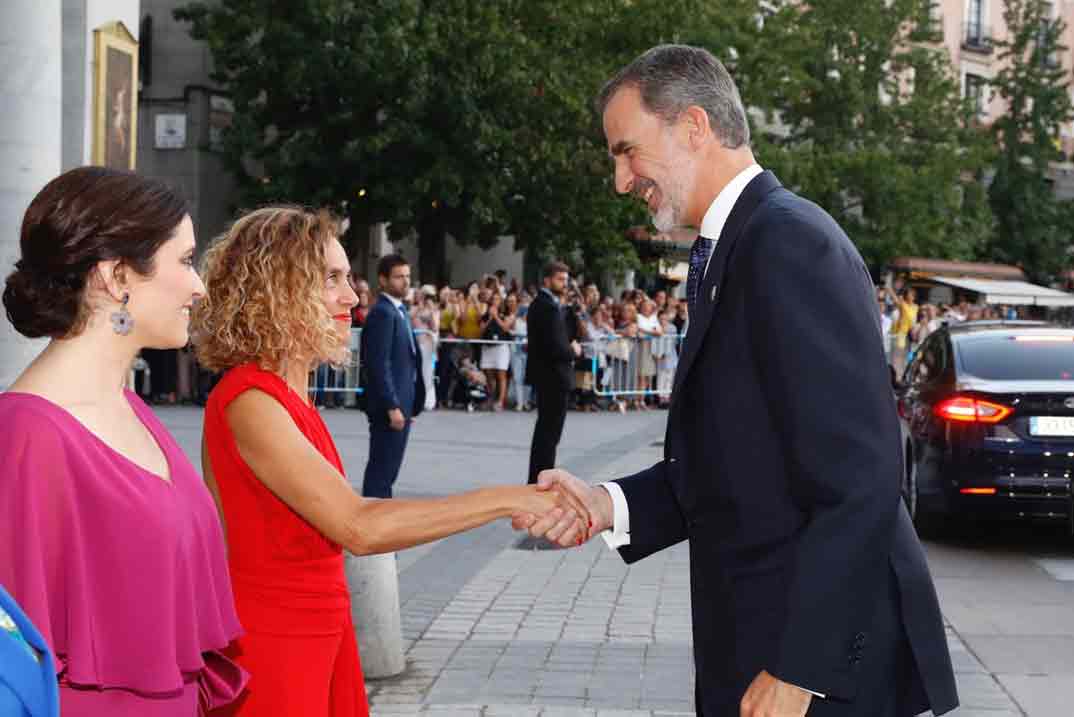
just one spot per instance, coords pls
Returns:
(708, 294)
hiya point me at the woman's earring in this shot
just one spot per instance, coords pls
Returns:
(122, 321)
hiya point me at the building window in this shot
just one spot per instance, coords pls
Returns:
(975, 18)
(976, 93)
(975, 35)
(1048, 56)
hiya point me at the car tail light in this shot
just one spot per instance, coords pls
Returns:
(977, 491)
(972, 410)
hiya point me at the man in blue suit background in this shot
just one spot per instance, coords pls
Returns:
(395, 392)
(782, 458)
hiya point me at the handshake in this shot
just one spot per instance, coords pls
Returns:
(564, 510)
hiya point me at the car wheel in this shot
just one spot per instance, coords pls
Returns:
(927, 523)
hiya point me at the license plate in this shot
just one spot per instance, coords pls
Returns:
(1051, 425)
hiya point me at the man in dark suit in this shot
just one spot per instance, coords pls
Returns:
(549, 366)
(395, 391)
(782, 457)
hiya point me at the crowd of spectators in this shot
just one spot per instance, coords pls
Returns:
(906, 324)
(477, 333)
(472, 339)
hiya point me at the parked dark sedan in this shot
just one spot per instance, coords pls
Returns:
(988, 424)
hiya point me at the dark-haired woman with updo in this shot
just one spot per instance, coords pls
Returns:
(109, 539)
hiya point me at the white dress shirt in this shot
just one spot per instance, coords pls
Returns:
(711, 227)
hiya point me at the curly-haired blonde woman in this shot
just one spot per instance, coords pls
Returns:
(278, 303)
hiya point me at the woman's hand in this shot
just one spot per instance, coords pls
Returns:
(557, 502)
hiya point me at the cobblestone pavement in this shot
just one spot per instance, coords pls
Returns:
(492, 630)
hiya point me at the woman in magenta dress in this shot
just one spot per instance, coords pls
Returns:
(278, 304)
(108, 537)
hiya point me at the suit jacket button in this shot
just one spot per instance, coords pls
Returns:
(672, 460)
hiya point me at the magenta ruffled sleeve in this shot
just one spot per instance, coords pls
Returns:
(123, 573)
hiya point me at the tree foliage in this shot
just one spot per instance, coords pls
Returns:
(866, 119)
(466, 117)
(1033, 227)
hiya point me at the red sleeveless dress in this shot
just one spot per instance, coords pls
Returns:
(290, 588)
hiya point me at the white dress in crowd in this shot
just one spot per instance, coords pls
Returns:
(496, 356)
(518, 388)
(427, 322)
(646, 363)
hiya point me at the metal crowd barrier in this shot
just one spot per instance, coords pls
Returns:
(326, 380)
(617, 366)
(633, 366)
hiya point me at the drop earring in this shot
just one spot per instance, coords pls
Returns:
(122, 321)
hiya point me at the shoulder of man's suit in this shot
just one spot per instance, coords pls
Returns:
(783, 216)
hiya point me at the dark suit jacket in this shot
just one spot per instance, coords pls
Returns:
(392, 363)
(550, 362)
(782, 468)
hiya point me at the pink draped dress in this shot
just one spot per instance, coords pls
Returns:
(123, 572)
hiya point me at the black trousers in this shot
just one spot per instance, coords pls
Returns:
(551, 414)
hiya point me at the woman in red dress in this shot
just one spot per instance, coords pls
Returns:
(277, 304)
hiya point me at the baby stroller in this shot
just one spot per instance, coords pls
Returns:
(468, 383)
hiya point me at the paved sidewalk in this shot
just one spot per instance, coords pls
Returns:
(492, 630)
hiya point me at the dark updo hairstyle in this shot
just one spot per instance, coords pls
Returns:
(84, 216)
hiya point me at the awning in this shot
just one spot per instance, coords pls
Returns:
(674, 271)
(994, 291)
(927, 268)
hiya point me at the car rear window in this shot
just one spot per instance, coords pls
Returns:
(1025, 359)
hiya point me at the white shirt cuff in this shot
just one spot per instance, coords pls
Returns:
(619, 534)
(815, 694)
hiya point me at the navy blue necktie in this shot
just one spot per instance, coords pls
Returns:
(699, 255)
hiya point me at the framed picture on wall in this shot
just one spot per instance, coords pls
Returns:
(115, 96)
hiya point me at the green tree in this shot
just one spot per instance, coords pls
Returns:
(865, 118)
(462, 117)
(1033, 227)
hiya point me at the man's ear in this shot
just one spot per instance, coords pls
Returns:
(696, 123)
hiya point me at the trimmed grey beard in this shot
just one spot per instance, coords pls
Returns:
(666, 218)
(669, 216)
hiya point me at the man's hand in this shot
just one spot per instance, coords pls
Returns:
(585, 499)
(396, 419)
(768, 696)
(576, 348)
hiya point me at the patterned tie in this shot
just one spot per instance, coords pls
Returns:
(699, 254)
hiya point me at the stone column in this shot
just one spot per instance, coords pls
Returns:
(30, 140)
(374, 585)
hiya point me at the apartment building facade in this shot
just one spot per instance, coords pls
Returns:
(972, 28)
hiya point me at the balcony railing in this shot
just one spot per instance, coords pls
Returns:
(976, 37)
